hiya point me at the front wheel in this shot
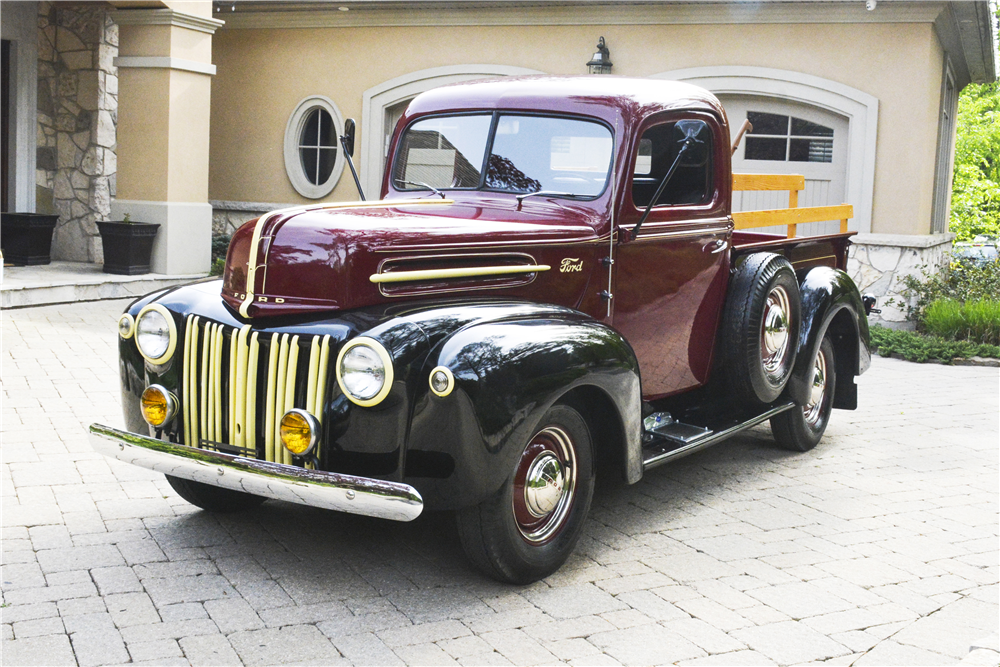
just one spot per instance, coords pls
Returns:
(801, 428)
(529, 527)
(213, 498)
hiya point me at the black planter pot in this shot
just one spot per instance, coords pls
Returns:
(127, 246)
(26, 238)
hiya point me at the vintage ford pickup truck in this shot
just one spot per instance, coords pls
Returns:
(550, 290)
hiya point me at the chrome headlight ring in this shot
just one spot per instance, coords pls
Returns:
(152, 331)
(364, 371)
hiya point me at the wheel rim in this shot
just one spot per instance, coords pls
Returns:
(813, 410)
(544, 485)
(774, 335)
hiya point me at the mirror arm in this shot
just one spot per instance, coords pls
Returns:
(347, 153)
(663, 185)
(744, 128)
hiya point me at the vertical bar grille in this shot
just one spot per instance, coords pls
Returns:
(238, 383)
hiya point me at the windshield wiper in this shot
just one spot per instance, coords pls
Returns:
(553, 193)
(423, 185)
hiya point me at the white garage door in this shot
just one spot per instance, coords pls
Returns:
(790, 138)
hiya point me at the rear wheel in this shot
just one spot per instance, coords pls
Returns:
(528, 528)
(213, 498)
(800, 429)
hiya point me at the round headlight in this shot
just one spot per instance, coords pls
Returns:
(155, 333)
(299, 431)
(126, 326)
(158, 405)
(364, 371)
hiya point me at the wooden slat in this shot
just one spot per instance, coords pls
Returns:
(792, 216)
(769, 182)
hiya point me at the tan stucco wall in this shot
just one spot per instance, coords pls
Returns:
(164, 115)
(263, 74)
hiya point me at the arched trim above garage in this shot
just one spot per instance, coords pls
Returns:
(378, 98)
(860, 108)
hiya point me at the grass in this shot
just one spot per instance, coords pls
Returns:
(976, 321)
(915, 347)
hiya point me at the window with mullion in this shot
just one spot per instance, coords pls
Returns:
(318, 146)
(787, 139)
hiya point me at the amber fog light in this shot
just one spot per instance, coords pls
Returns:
(299, 432)
(158, 405)
(442, 381)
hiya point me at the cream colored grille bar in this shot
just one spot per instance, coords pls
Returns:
(210, 350)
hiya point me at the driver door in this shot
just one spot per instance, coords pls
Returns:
(670, 281)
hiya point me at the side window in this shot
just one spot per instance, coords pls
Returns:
(658, 149)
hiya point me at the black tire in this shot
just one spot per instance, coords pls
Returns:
(214, 498)
(801, 428)
(520, 535)
(760, 328)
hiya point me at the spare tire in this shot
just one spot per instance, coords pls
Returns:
(760, 328)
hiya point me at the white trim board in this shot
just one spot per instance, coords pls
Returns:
(166, 17)
(164, 62)
(257, 15)
(860, 108)
(376, 99)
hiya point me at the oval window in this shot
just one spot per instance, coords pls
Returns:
(313, 159)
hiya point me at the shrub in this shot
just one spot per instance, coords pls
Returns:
(220, 246)
(962, 279)
(915, 347)
(976, 321)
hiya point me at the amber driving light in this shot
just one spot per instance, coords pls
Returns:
(299, 432)
(158, 405)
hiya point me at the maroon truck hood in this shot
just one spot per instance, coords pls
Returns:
(323, 258)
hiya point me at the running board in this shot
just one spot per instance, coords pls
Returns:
(676, 439)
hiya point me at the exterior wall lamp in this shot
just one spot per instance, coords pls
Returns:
(601, 62)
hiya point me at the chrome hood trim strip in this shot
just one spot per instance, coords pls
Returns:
(327, 490)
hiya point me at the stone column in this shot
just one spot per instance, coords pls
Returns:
(77, 108)
(165, 75)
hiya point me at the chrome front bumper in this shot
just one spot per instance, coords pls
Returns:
(328, 490)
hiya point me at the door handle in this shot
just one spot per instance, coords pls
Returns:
(716, 246)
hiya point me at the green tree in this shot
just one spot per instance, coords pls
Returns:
(975, 198)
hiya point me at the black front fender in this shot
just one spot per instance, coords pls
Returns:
(831, 304)
(463, 446)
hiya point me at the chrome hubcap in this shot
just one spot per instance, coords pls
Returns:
(774, 338)
(813, 410)
(544, 485)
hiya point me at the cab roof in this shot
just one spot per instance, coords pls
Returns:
(602, 96)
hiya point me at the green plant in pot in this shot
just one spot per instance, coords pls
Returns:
(128, 245)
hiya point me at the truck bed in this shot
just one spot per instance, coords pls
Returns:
(804, 252)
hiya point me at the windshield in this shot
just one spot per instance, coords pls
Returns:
(563, 156)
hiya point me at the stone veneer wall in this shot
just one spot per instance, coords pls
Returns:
(77, 117)
(878, 263)
(228, 216)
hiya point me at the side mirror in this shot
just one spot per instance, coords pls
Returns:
(698, 137)
(348, 139)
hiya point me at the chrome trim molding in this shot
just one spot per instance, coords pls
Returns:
(326, 490)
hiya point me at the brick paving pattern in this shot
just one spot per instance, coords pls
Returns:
(879, 547)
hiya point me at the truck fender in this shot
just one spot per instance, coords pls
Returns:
(831, 304)
(506, 376)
